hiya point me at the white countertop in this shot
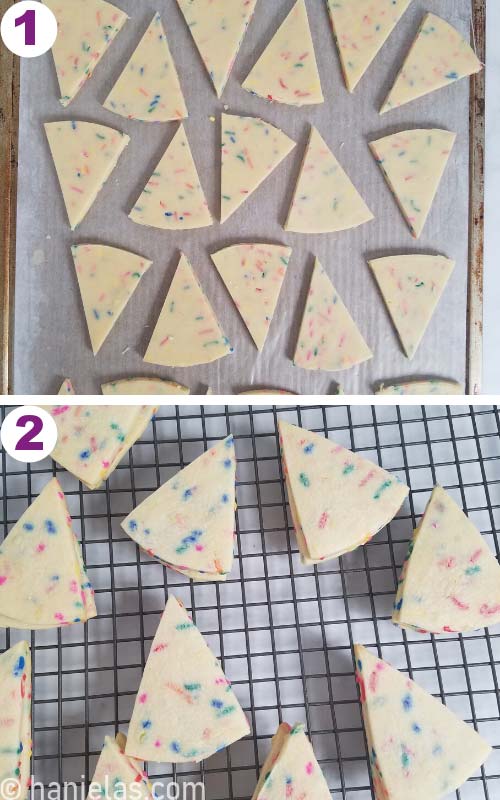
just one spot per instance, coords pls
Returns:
(491, 378)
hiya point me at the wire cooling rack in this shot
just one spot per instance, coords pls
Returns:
(283, 631)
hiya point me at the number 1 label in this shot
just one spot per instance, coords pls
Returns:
(28, 28)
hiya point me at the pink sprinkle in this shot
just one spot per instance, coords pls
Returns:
(157, 743)
(448, 563)
(40, 547)
(142, 698)
(474, 557)
(323, 520)
(59, 616)
(309, 768)
(73, 587)
(489, 611)
(3, 579)
(459, 604)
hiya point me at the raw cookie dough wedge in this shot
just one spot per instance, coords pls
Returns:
(421, 387)
(254, 274)
(361, 28)
(450, 580)
(43, 580)
(188, 523)
(418, 748)
(251, 150)
(218, 30)
(85, 30)
(325, 200)
(287, 71)
(66, 387)
(92, 440)
(338, 499)
(107, 278)
(329, 338)
(84, 154)
(291, 768)
(439, 56)
(173, 198)
(115, 769)
(413, 163)
(411, 286)
(15, 731)
(143, 386)
(187, 332)
(186, 709)
(148, 88)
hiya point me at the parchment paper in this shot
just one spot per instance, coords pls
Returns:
(50, 335)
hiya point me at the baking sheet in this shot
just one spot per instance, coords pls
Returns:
(50, 335)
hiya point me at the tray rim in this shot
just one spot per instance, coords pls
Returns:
(9, 129)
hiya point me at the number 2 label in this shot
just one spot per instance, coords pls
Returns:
(28, 434)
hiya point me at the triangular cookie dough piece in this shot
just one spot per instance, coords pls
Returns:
(66, 387)
(450, 580)
(188, 523)
(15, 731)
(361, 28)
(187, 332)
(421, 387)
(291, 768)
(186, 709)
(173, 198)
(115, 769)
(148, 88)
(85, 29)
(418, 748)
(254, 274)
(329, 338)
(43, 581)
(218, 31)
(287, 71)
(251, 150)
(413, 163)
(411, 286)
(85, 154)
(338, 499)
(143, 386)
(325, 199)
(439, 56)
(107, 278)
(92, 440)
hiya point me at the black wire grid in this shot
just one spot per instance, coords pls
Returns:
(284, 632)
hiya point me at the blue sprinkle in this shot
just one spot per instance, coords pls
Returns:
(229, 441)
(217, 703)
(132, 526)
(416, 728)
(28, 526)
(50, 527)
(225, 498)
(18, 667)
(147, 724)
(227, 463)
(175, 746)
(309, 448)
(407, 702)
(85, 454)
(187, 494)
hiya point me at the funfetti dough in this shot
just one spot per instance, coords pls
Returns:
(15, 717)
(254, 274)
(329, 338)
(413, 163)
(148, 88)
(173, 198)
(218, 30)
(115, 769)
(189, 522)
(338, 499)
(85, 29)
(85, 154)
(450, 580)
(107, 278)
(411, 286)
(325, 200)
(187, 332)
(251, 150)
(421, 387)
(92, 440)
(143, 386)
(43, 581)
(361, 28)
(186, 709)
(66, 387)
(291, 768)
(439, 56)
(418, 748)
(287, 71)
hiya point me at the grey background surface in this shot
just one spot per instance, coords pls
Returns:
(50, 337)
